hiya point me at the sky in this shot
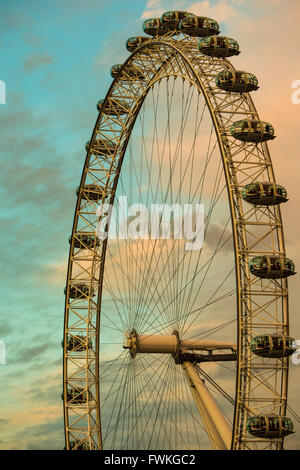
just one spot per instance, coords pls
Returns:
(55, 59)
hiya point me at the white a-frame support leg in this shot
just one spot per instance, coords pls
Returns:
(218, 430)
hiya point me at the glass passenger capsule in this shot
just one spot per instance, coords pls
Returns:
(115, 69)
(77, 396)
(78, 343)
(85, 240)
(275, 346)
(101, 147)
(269, 426)
(218, 46)
(153, 27)
(113, 107)
(271, 267)
(129, 72)
(199, 26)
(92, 192)
(250, 130)
(78, 445)
(135, 41)
(171, 19)
(264, 194)
(236, 81)
(79, 291)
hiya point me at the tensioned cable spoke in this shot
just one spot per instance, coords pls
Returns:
(209, 332)
(167, 191)
(219, 299)
(182, 289)
(157, 316)
(212, 296)
(195, 417)
(121, 413)
(178, 400)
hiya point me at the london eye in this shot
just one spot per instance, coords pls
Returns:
(167, 347)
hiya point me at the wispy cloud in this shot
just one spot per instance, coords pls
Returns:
(37, 61)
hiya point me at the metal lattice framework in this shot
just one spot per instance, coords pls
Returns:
(262, 305)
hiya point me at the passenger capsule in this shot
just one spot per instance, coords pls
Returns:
(199, 26)
(113, 107)
(78, 445)
(85, 240)
(136, 41)
(171, 19)
(264, 194)
(250, 130)
(129, 72)
(115, 69)
(153, 27)
(236, 81)
(80, 291)
(275, 346)
(77, 396)
(78, 343)
(218, 46)
(101, 147)
(269, 426)
(92, 192)
(271, 267)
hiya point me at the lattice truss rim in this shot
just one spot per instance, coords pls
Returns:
(243, 163)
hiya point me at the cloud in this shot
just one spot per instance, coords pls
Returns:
(222, 10)
(54, 273)
(29, 354)
(5, 330)
(36, 61)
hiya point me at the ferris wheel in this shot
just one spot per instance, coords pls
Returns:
(167, 347)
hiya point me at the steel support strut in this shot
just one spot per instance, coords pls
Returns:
(218, 430)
